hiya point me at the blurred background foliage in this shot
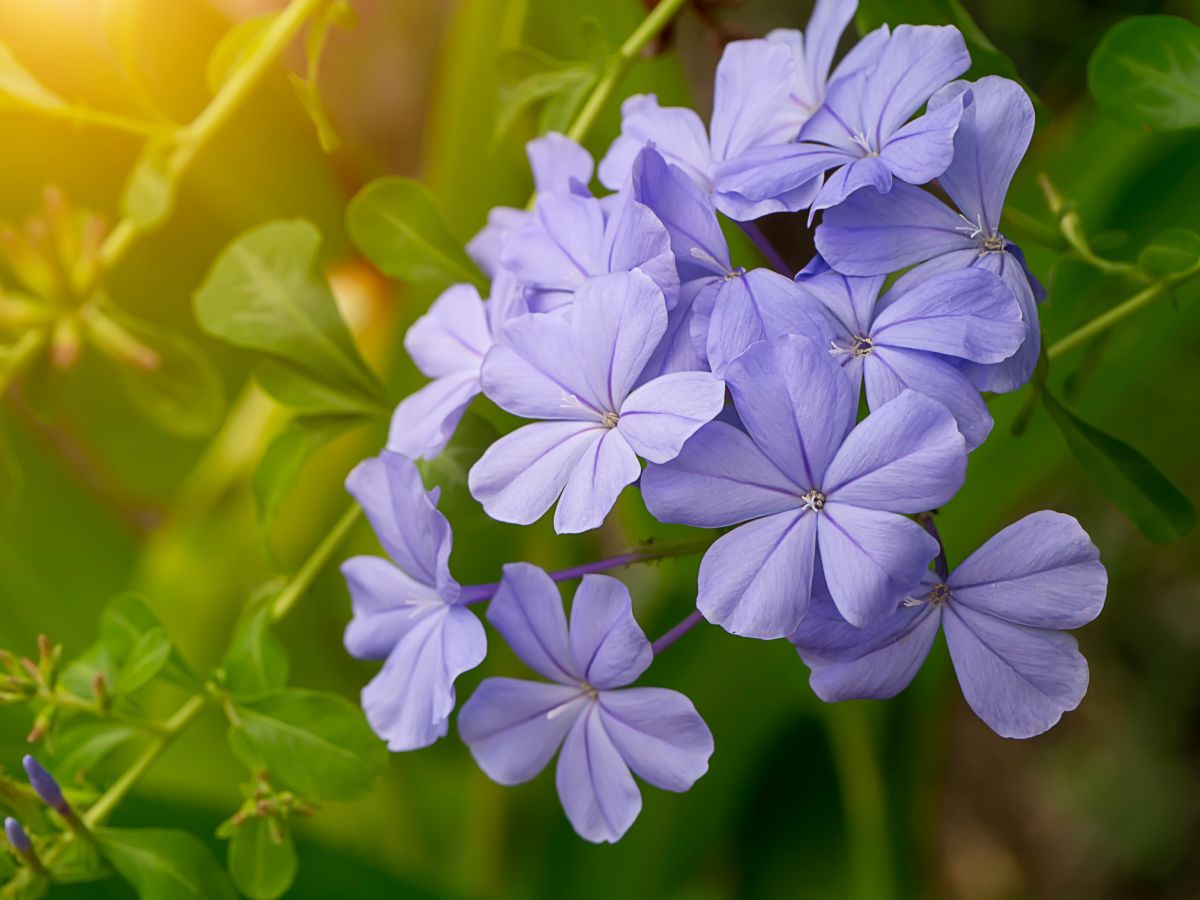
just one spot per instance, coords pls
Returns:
(100, 501)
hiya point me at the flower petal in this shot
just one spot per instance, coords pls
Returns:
(520, 476)
(659, 734)
(606, 467)
(634, 238)
(609, 646)
(556, 161)
(658, 417)
(415, 535)
(752, 84)
(561, 247)
(870, 663)
(877, 234)
(892, 370)
(409, 702)
(755, 580)
(1015, 371)
(796, 403)
(424, 422)
(514, 727)
(1019, 680)
(527, 610)
(617, 321)
(775, 170)
(907, 457)
(387, 604)
(850, 299)
(871, 560)
(988, 147)
(871, 171)
(453, 336)
(759, 305)
(720, 478)
(675, 132)
(921, 150)
(597, 791)
(533, 371)
(1042, 571)
(969, 313)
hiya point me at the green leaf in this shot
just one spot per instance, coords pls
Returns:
(528, 77)
(256, 663)
(123, 623)
(1146, 72)
(1134, 484)
(165, 376)
(262, 868)
(79, 863)
(317, 744)
(295, 387)
(1171, 252)
(234, 47)
(338, 13)
(147, 658)
(20, 89)
(263, 294)
(395, 223)
(82, 747)
(165, 865)
(287, 455)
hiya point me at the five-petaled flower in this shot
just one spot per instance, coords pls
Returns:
(604, 727)
(1003, 611)
(803, 476)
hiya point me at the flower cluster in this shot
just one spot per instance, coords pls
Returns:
(622, 329)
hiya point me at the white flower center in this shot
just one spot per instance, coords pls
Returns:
(813, 500)
(610, 420)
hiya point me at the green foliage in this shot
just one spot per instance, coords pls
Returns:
(315, 743)
(530, 78)
(149, 193)
(256, 664)
(164, 375)
(396, 224)
(262, 294)
(1134, 484)
(129, 633)
(80, 863)
(234, 47)
(287, 455)
(83, 746)
(1171, 252)
(338, 13)
(1146, 71)
(262, 858)
(165, 865)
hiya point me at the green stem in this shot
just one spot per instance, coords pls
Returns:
(863, 800)
(1021, 224)
(193, 138)
(85, 115)
(316, 561)
(619, 64)
(1107, 320)
(70, 701)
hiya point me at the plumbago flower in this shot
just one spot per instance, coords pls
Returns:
(571, 238)
(409, 610)
(912, 339)
(604, 727)
(448, 344)
(579, 372)
(559, 166)
(804, 477)
(861, 133)
(765, 91)
(871, 234)
(1003, 611)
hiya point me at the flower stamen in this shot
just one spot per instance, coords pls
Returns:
(814, 500)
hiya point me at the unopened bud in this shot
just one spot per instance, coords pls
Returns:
(17, 836)
(101, 692)
(45, 786)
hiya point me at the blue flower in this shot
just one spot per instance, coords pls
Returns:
(408, 610)
(871, 234)
(605, 728)
(1003, 612)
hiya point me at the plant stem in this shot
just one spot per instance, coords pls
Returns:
(193, 138)
(1023, 225)
(1106, 320)
(619, 64)
(690, 621)
(861, 785)
(300, 582)
(479, 593)
(85, 115)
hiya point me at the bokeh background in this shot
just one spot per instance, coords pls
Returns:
(1107, 805)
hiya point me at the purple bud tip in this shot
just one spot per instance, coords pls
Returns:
(17, 836)
(44, 784)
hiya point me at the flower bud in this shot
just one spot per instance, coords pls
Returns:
(45, 786)
(17, 836)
